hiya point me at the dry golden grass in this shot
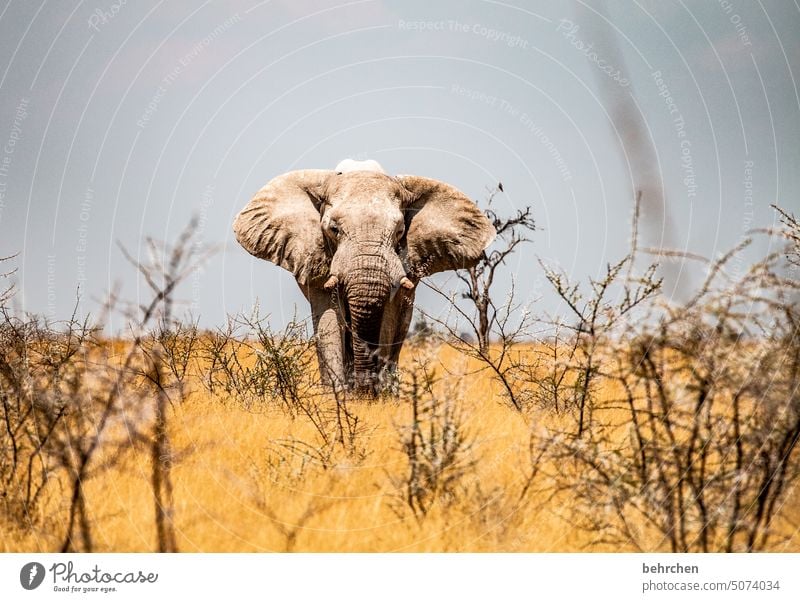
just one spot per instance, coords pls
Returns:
(237, 489)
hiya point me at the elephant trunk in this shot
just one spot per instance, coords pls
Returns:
(367, 288)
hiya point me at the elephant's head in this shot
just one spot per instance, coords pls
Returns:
(364, 233)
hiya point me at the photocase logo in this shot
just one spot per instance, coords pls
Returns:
(31, 575)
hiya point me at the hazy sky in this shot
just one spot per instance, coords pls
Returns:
(121, 120)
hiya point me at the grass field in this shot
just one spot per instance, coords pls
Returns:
(636, 423)
(243, 483)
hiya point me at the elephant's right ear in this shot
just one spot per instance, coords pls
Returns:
(281, 224)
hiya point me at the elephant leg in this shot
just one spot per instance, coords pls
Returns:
(328, 333)
(405, 312)
(396, 321)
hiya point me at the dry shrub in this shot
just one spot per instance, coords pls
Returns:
(74, 404)
(690, 442)
(48, 410)
(435, 443)
(249, 362)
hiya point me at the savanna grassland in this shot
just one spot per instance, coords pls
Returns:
(244, 480)
(253, 474)
(630, 422)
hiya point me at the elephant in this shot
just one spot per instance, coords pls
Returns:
(358, 241)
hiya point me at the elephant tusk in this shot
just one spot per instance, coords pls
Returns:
(331, 283)
(406, 283)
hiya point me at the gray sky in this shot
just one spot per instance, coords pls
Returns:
(122, 119)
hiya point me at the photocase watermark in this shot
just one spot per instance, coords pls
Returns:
(31, 575)
(478, 96)
(747, 183)
(20, 114)
(84, 215)
(183, 62)
(525, 120)
(679, 123)
(736, 20)
(477, 29)
(197, 273)
(51, 286)
(570, 31)
(102, 16)
(66, 579)
(536, 129)
(748, 215)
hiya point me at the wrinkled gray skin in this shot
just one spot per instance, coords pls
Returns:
(358, 241)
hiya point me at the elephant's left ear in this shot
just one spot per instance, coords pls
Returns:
(445, 230)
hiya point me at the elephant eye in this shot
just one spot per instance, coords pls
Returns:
(334, 229)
